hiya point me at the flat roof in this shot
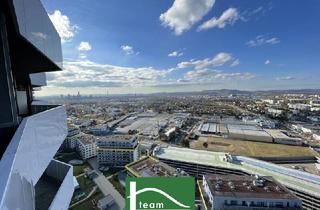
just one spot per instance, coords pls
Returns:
(244, 186)
(100, 126)
(151, 167)
(279, 134)
(247, 130)
(216, 159)
(148, 126)
(108, 199)
(115, 138)
(87, 139)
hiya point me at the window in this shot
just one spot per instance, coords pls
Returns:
(260, 203)
(8, 106)
(279, 204)
(233, 202)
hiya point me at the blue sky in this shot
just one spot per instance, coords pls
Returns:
(144, 46)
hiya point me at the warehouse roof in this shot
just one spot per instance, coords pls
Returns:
(289, 177)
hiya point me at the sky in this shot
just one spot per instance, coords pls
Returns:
(147, 46)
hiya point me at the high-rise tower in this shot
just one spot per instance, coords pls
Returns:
(31, 132)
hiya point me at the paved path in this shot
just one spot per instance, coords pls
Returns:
(105, 185)
(93, 163)
(107, 188)
(88, 196)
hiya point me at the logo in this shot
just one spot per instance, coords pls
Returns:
(160, 193)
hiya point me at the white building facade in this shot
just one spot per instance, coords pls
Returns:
(86, 146)
(234, 192)
(117, 150)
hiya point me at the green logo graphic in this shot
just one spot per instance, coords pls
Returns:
(165, 193)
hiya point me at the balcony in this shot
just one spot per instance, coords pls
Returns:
(254, 207)
(41, 106)
(55, 187)
(28, 155)
(38, 79)
(41, 42)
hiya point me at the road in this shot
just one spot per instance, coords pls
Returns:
(93, 163)
(107, 188)
(105, 185)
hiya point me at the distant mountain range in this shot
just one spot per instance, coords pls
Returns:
(227, 92)
(221, 92)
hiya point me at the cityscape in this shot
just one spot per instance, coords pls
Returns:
(74, 130)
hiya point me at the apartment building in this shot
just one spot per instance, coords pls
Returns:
(86, 146)
(73, 131)
(71, 141)
(117, 150)
(30, 132)
(234, 192)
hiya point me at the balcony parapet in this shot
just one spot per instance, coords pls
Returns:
(55, 188)
(29, 153)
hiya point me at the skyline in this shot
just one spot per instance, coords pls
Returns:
(182, 45)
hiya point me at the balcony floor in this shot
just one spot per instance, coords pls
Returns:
(45, 191)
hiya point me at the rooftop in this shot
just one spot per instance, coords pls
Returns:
(247, 130)
(251, 148)
(280, 134)
(115, 138)
(288, 177)
(247, 186)
(87, 139)
(148, 126)
(150, 167)
(106, 201)
(100, 126)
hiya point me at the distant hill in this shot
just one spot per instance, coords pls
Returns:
(221, 92)
(227, 92)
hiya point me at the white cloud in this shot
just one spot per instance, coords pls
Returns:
(285, 78)
(257, 10)
(183, 14)
(175, 54)
(218, 60)
(228, 17)
(235, 63)
(267, 62)
(65, 29)
(237, 75)
(263, 40)
(82, 56)
(206, 75)
(88, 74)
(84, 46)
(85, 73)
(128, 50)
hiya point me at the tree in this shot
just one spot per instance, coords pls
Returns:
(205, 144)
(185, 142)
